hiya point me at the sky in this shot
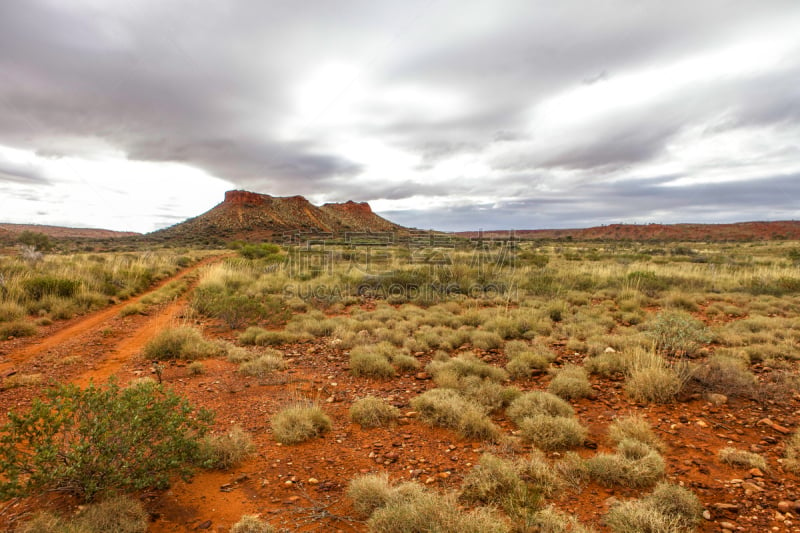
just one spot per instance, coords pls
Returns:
(444, 114)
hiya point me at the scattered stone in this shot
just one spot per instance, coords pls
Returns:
(785, 507)
(706, 514)
(205, 525)
(730, 526)
(422, 376)
(313, 481)
(755, 472)
(227, 487)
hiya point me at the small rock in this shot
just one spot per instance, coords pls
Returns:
(755, 472)
(205, 525)
(706, 514)
(422, 376)
(752, 487)
(717, 399)
(313, 481)
(785, 507)
(227, 487)
(701, 423)
(609, 349)
(727, 525)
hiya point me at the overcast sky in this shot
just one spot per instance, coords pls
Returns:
(445, 114)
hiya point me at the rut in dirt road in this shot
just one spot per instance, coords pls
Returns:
(74, 338)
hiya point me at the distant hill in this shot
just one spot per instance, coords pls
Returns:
(252, 216)
(741, 231)
(59, 232)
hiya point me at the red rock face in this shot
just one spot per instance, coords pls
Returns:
(352, 207)
(245, 198)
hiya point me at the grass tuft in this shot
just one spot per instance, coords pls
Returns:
(299, 423)
(372, 412)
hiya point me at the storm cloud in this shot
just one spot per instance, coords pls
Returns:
(443, 114)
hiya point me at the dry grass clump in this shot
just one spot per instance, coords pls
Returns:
(17, 328)
(196, 368)
(727, 375)
(572, 470)
(553, 433)
(250, 523)
(262, 337)
(21, 380)
(525, 360)
(650, 380)
(792, 454)
(372, 412)
(299, 423)
(10, 311)
(420, 510)
(607, 364)
(133, 309)
(485, 340)
(668, 509)
(465, 365)
(497, 482)
(635, 427)
(635, 465)
(120, 514)
(538, 403)
(447, 408)
(263, 365)
(226, 450)
(742, 458)
(373, 360)
(181, 343)
(551, 520)
(677, 333)
(370, 492)
(570, 382)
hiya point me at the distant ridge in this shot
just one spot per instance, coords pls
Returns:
(245, 215)
(59, 232)
(740, 231)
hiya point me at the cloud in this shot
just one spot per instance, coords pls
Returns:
(472, 106)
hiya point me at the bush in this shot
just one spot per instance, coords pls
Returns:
(678, 333)
(635, 465)
(742, 458)
(10, 311)
(180, 343)
(132, 309)
(668, 509)
(524, 364)
(551, 433)
(227, 450)
(371, 412)
(236, 309)
(635, 428)
(653, 385)
(467, 365)
(40, 286)
(299, 423)
(607, 364)
(18, 328)
(570, 383)
(538, 403)
(88, 441)
(251, 524)
(486, 340)
(728, 375)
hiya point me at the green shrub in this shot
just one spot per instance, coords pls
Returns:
(181, 343)
(88, 441)
(538, 403)
(570, 382)
(226, 450)
(742, 458)
(299, 423)
(17, 328)
(372, 412)
(635, 465)
(677, 333)
(38, 287)
(668, 509)
(551, 433)
(132, 309)
(236, 309)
